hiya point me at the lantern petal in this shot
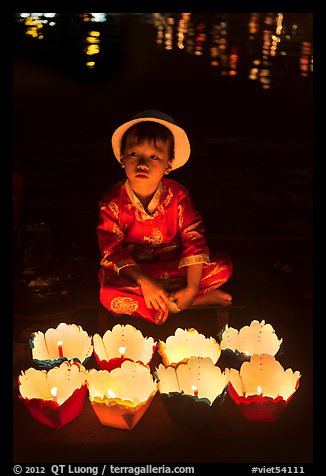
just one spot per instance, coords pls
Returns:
(167, 379)
(230, 339)
(136, 347)
(99, 347)
(187, 343)
(235, 380)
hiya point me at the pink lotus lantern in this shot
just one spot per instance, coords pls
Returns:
(55, 397)
(123, 342)
(262, 388)
(192, 391)
(186, 343)
(257, 338)
(66, 342)
(121, 397)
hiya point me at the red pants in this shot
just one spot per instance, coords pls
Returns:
(122, 296)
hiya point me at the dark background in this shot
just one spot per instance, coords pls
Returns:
(250, 175)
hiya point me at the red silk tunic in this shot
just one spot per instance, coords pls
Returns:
(162, 242)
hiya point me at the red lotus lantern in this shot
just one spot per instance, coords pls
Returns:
(262, 388)
(123, 342)
(55, 397)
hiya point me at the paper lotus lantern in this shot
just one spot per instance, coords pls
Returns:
(121, 397)
(66, 342)
(192, 391)
(186, 343)
(55, 397)
(262, 388)
(257, 338)
(123, 342)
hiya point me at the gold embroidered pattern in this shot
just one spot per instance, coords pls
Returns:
(104, 261)
(180, 216)
(192, 226)
(215, 270)
(118, 233)
(142, 216)
(194, 235)
(123, 305)
(123, 264)
(215, 285)
(114, 209)
(202, 258)
(156, 238)
(168, 197)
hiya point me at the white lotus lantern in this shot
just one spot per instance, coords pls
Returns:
(186, 343)
(262, 388)
(65, 342)
(121, 397)
(257, 338)
(192, 391)
(123, 342)
(54, 397)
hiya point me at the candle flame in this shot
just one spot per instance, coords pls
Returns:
(60, 342)
(54, 391)
(259, 391)
(111, 394)
(246, 352)
(122, 350)
(195, 389)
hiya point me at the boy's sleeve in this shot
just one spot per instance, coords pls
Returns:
(110, 236)
(192, 230)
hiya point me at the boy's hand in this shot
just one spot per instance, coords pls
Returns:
(154, 294)
(184, 297)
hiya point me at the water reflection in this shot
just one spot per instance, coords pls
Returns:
(260, 47)
(268, 36)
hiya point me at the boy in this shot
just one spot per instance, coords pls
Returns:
(155, 259)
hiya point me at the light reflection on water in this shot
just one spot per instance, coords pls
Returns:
(259, 47)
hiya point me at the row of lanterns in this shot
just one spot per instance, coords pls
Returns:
(189, 380)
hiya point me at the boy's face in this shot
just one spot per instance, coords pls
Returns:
(145, 163)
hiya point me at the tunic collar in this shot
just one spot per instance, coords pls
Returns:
(135, 200)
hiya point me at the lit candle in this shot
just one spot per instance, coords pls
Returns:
(111, 394)
(259, 391)
(122, 350)
(195, 389)
(54, 391)
(60, 349)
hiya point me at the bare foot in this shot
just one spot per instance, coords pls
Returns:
(215, 297)
(221, 295)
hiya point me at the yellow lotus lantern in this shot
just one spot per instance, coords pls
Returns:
(239, 345)
(55, 397)
(186, 343)
(123, 342)
(192, 391)
(65, 342)
(121, 397)
(262, 388)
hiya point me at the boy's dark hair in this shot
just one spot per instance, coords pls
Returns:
(151, 131)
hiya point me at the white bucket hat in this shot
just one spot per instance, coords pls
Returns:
(181, 142)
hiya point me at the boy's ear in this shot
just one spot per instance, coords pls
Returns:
(121, 162)
(168, 167)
